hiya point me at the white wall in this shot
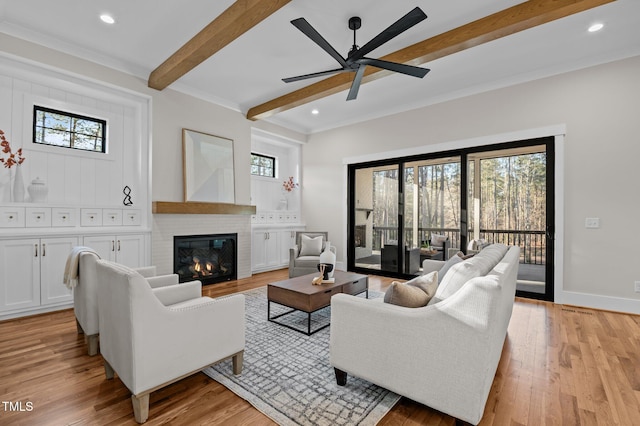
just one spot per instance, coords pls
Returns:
(267, 193)
(598, 106)
(171, 111)
(74, 177)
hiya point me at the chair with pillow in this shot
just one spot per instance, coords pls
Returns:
(305, 255)
(154, 337)
(440, 243)
(80, 276)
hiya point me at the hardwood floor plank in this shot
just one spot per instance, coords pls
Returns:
(560, 365)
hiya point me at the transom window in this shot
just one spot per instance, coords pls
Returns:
(68, 130)
(263, 165)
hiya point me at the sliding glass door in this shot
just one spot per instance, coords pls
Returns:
(404, 211)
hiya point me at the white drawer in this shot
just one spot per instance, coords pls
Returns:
(90, 217)
(38, 217)
(271, 217)
(64, 217)
(12, 217)
(111, 217)
(131, 218)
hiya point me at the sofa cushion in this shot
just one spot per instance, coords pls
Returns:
(447, 265)
(311, 246)
(414, 293)
(478, 265)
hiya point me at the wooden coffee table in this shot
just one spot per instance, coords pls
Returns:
(300, 294)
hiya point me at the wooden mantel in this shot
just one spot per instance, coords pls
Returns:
(169, 207)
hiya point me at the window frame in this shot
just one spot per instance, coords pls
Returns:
(103, 122)
(273, 160)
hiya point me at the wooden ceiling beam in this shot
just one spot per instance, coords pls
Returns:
(506, 22)
(240, 17)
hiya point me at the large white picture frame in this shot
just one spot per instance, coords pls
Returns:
(207, 168)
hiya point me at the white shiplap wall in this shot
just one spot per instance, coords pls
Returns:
(75, 177)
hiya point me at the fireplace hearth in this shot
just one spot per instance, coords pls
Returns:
(208, 258)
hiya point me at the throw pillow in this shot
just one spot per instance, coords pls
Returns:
(447, 265)
(413, 294)
(427, 283)
(437, 240)
(405, 295)
(311, 246)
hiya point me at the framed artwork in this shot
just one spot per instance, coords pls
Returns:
(207, 168)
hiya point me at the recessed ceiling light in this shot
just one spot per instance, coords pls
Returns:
(315, 111)
(595, 27)
(108, 19)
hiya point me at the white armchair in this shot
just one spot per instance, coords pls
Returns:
(154, 338)
(85, 293)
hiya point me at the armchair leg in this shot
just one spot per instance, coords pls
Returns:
(341, 377)
(93, 345)
(108, 370)
(238, 359)
(140, 407)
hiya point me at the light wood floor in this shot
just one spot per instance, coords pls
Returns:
(560, 365)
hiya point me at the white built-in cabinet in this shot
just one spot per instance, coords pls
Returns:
(92, 198)
(32, 272)
(125, 249)
(35, 242)
(270, 246)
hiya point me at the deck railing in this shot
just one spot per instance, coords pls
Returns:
(532, 243)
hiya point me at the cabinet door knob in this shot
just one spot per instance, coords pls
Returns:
(36, 246)
(10, 217)
(44, 249)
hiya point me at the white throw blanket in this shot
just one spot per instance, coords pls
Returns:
(71, 268)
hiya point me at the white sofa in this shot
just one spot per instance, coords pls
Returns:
(443, 355)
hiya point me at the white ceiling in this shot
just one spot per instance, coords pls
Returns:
(248, 71)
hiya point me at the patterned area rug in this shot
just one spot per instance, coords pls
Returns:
(287, 375)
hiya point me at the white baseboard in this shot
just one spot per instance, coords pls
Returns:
(35, 311)
(608, 303)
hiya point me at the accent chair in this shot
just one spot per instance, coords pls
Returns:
(305, 255)
(85, 293)
(154, 338)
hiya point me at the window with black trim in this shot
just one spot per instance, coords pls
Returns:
(263, 165)
(68, 130)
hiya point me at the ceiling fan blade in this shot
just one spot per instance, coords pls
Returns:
(394, 66)
(355, 85)
(397, 28)
(310, 32)
(315, 74)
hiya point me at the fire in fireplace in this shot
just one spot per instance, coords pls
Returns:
(208, 258)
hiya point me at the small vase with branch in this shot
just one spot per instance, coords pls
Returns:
(13, 159)
(287, 188)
